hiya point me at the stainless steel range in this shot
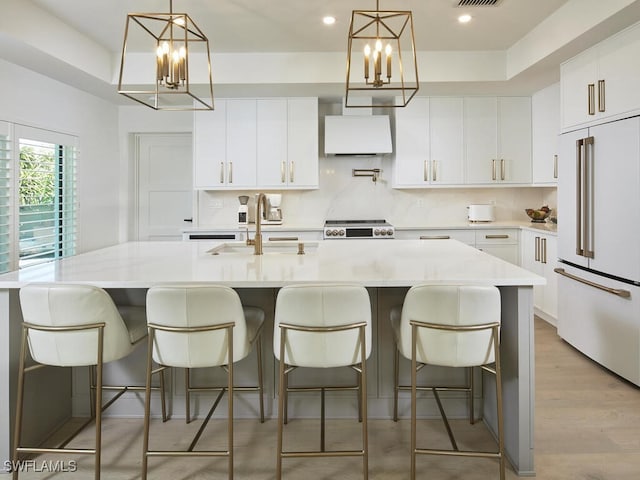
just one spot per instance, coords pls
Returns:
(346, 229)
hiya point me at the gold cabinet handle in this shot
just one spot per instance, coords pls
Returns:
(434, 168)
(435, 237)
(537, 253)
(590, 99)
(502, 168)
(601, 100)
(425, 174)
(283, 239)
(614, 291)
(291, 172)
(230, 172)
(493, 169)
(544, 250)
(282, 176)
(490, 237)
(555, 166)
(221, 172)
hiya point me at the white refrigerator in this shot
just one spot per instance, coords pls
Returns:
(599, 244)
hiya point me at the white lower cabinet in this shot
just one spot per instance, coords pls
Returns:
(540, 255)
(503, 243)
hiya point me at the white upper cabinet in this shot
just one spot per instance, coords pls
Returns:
(257, 144)
(446, 165)
(497, 140)
(602, 82)
(302, 143)
(411, 164)
(429, 143)
(545, 128)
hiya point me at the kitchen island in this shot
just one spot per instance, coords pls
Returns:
(386, 268)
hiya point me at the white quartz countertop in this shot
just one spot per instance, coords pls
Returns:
(383, 263)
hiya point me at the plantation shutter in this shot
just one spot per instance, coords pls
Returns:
(5, 197)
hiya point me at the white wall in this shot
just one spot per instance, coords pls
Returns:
(32, 99)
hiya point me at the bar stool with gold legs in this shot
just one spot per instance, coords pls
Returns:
(200, 326)
(450, 326)
(322, 326)
(73, 326)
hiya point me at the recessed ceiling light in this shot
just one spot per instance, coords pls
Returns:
(328, 20)
(466, 18)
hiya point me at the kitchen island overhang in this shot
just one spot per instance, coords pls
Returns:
(388, 269)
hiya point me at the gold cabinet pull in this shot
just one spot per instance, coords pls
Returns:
(425, 173)
(537, 253)
(230, 172)
(543, 241)
(555, 166)
(493, 169)
(434, 168)
(221, 172)
(614, 291)
(435, 237)
(291, 172)
(283, 239)
(601, 100)
(502, 168)
(590, 99)
(502, 236)
(282, 176)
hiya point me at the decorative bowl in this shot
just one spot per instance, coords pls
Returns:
(539, 215)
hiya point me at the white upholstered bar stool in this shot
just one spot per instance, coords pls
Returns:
(322, 326)
(201, 326)
(450, 326)
(72, 326)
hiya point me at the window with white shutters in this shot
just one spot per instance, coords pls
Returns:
(5, 197)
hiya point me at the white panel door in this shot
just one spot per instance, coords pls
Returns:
(241, 143)
(210, 147)
(575, 77)
(165, 188)
(514, 141)
(545, 128)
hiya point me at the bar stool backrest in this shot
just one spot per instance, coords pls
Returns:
(322, 306)
(452, 305)
(64, 305)
(196, 306)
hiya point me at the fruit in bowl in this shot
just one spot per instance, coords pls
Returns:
(539, 215)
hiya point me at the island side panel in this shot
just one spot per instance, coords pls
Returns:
(518, 379)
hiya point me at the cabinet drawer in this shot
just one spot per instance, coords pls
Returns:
(496, 236)
(464, 236)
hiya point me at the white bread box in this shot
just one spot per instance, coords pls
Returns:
(480, 213)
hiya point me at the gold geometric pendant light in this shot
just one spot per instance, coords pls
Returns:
(381, 58)
(166, 64)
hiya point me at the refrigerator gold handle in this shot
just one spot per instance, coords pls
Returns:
(601, 99)
(579, 145)
(586, 207)
(591, 107)
(614, 291)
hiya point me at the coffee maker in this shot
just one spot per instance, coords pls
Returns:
(274, 212)
(243, 210)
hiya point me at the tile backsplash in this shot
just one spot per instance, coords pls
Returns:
(342, 196)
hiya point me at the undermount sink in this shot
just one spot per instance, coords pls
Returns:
(287, 247)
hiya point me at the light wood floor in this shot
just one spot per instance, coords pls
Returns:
(587, 428)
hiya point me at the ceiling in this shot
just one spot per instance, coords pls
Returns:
(296, 25)
(281, 47)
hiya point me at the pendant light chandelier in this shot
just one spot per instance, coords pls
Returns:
(381, 58)
(162, 55)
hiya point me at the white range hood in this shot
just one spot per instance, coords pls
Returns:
(357, 135)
